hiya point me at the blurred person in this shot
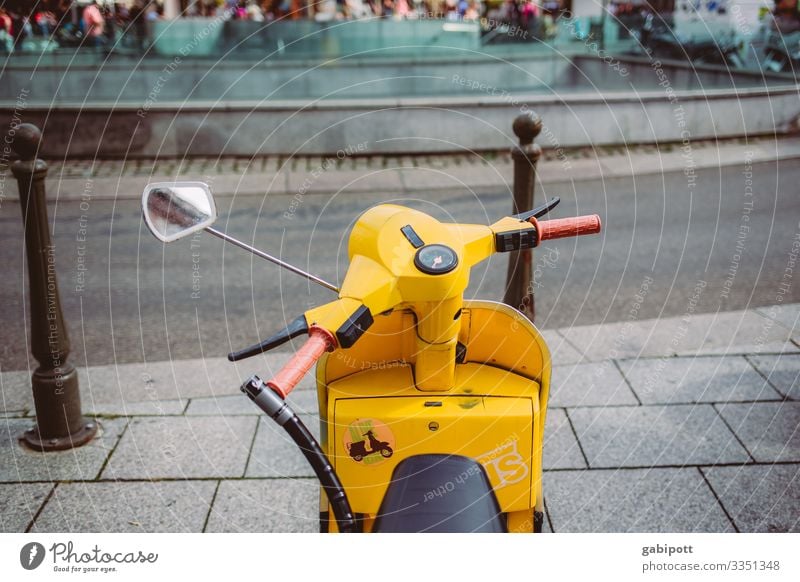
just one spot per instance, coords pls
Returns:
(254, 11)
(138, 22)
(18, 31)
(358, 9)
(6, 31)
(241, 11)
(785, 17)
(94, 24)
(109, 30)
(473, 11)
(402, 9)
(153, 11)
(46, 21)
(122, 15)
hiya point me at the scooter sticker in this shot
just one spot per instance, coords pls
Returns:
(505, 464)
(369, 441)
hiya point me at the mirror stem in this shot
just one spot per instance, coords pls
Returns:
(270, 258)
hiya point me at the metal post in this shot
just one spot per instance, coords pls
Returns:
(519, 283)
(59, 422)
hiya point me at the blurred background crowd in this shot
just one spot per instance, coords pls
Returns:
(705, 31)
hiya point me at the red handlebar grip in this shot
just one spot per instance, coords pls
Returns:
(319, 341)
(564, 227)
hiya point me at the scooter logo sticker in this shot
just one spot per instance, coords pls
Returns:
(368, 441)
(505, 464)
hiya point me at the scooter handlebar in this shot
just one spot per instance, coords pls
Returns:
(319, 341)
(564, 227)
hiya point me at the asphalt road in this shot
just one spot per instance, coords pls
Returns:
(707, 246)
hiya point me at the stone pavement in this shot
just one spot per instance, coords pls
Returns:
(672, 425)
(477, 172)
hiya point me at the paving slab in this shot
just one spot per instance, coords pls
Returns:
(266, 505)
(168, 380)
(769, 430)
(15, 391)
(782, 371)
(593, 384)
(275, 454)
(561, 351)
(127, 507)
(183, 448)
(759, 498)
(633, 500)
(561, 450)
(301, 401)
(98, 399)
(122, 408)
(787, 315)
(19, 503)
(649, 436)
(689, 380)
(20, 464)
(140, 388)
(674, 335)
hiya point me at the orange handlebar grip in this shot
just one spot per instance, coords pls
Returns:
(564, 227)
(319, 341)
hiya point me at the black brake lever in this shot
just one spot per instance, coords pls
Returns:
(539, 211)
(297, 327)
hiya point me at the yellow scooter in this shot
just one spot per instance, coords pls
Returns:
(432, 408)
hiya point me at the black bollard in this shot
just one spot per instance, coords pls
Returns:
(519, 282)
(59, 422)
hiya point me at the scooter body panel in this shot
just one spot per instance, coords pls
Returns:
(494, 413)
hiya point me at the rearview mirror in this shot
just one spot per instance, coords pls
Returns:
(173, 210)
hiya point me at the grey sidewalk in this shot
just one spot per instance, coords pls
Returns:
(680, 424)
(108, 179)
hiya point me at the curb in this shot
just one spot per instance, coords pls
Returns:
(408, 174)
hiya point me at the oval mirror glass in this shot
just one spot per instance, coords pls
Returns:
(173, 210)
